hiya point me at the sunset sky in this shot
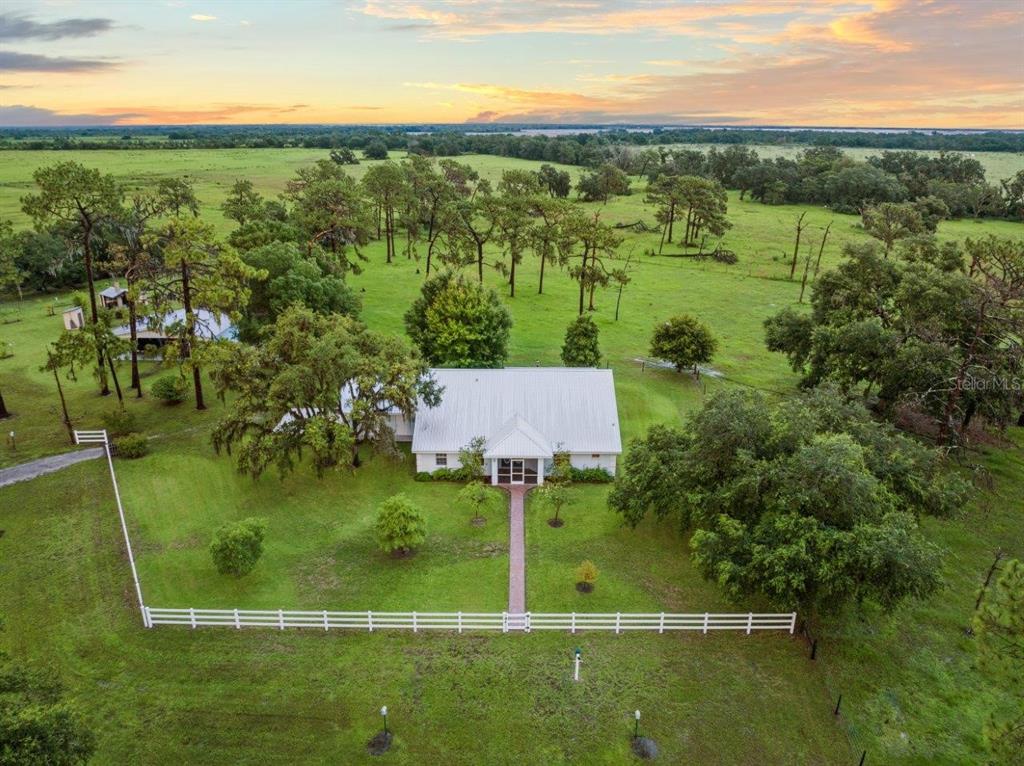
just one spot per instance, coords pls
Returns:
(926, 63)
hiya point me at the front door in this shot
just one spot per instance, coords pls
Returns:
(518, 471)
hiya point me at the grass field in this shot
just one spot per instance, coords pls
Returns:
(911, 693)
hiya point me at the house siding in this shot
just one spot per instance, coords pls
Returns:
(426, 461)
(588, 460)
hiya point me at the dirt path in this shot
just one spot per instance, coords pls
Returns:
(45, 465)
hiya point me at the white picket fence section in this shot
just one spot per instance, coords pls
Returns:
(100, 437)
(505, 622)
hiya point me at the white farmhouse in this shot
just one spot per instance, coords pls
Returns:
(524, 414)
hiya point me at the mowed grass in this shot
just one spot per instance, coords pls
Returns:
(321, 545)
(213, 696)
(911, 691)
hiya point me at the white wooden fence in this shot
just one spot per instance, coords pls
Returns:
(100, 437)
(464, 621)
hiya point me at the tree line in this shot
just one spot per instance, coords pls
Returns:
(500, 139)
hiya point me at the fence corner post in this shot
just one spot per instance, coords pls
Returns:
(792, 623)
(147, 619)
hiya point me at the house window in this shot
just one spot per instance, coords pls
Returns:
(595, 455)
(441, 460)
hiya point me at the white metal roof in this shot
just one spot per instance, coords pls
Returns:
(209, 326)
(113, 291)
(518, 439)
(569, 409)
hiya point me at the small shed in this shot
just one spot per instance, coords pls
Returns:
(74, 318)
(114, 297)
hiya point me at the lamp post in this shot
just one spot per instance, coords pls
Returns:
(636, 724)
(384, 713)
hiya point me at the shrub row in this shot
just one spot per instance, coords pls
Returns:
(578, 475)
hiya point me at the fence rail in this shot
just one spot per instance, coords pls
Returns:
(505, 622)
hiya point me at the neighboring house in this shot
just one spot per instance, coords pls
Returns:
(209, 326)
(525, 415)
(114, 297)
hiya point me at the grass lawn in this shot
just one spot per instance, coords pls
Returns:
(646, 569)
(213, 696)
(911, 692)
(321, 549)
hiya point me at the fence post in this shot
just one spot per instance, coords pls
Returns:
(149, 618)
(460, 622)
(750, 621)
(618, 620)
(838, 703)
(573, 623)
(792, 623)
(504, 622)
(705, 622)
(238, 625)
(526, 623)
(661, 623)
(327, 625)
(414, 622)
(369, 620)
(192, 615)
(280, 618)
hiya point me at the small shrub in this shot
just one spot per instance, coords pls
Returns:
(237, 547)
(590, 475)
(131, 446)
(444, 474)
(586, 576)
(172, 389)
(400, 526)
(423, 476)
(119, 422)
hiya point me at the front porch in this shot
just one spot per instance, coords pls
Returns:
(516, 471)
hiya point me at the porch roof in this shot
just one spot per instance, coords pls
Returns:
(517, 438)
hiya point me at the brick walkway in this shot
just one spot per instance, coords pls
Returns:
(516, 550)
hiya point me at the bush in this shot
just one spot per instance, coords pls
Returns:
(444, 474)
(590, 475)
(172, 389)
(237, 547)
(131, 446)
(683, 341)
(119, 422)
(586, 576)
(423, 476)
(400, 525)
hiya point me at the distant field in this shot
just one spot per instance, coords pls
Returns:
(998, 165)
